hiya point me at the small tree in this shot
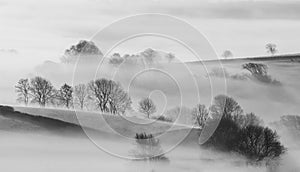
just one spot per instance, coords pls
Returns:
(227, 53)
(200, 115)
(22, 88)
(65, 95)
(42, 91)
(271, 48)
(147, 107)
(80, 95)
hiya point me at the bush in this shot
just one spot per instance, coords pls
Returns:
(163, 118)
(148, 148)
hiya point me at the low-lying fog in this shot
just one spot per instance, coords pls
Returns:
(36, 153)
(176, 85)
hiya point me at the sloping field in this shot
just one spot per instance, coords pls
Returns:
(114, 124)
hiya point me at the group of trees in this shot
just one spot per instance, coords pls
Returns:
(244, 134)
(41, 91)
(107, 95)
(83, 47)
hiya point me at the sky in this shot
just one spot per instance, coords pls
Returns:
(33, 31)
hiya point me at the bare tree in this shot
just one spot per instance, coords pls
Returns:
(147, 107)
(65, 95)
(271, 48)
(42, 91)
(227, 53)
(225, 107)
(22, 88)
(80, 95)
(200, 115)
(109, 96)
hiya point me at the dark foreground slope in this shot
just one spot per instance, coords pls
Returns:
(11, 120)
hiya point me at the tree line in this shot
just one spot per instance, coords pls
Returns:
(106, 95)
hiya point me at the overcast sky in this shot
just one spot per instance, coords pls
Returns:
(33, 31)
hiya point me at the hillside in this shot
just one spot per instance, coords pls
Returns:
(57, 120)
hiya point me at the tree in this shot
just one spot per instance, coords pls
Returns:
(65, 95)
(200, 115)
(227, 53)
(256, 69)
(83, 47)
(225, 107)
(109, 96)
(147, 107)
(260, 72)
(116, 59)
(271, 48)
(42, 91)
(258, 143)
(149, 56)
(170, 57)
(80, 95)
(225, 110)
(22, 88)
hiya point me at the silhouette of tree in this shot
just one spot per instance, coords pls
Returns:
(227, 53)
(149, 56)
(42, 91)
(256, 69)
(170, 57)
(22, 88)
(147, 107)
(116, 59)
(258, 143)
(200, 115)
(109, 96)
(80, 95)
(65, 95)
(271, 48)
(260, 73)
(226, 107)
(83, 47)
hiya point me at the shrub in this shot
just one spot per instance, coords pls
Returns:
(148, 148)
(163, 118)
